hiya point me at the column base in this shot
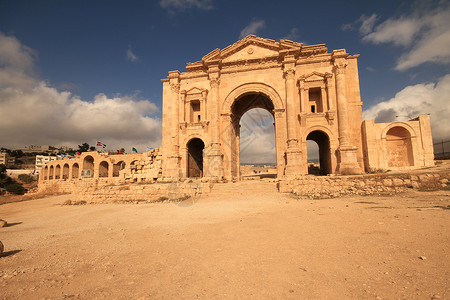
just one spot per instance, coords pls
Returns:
(293, 162)
(213, 170)
(348, 161)
(173, 167)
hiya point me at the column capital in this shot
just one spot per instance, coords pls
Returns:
(339, 67)
(289, 74)
(214, 82)
(175, 87)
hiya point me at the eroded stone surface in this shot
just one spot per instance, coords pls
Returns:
(312, 94)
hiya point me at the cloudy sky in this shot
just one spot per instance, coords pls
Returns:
(79, 71)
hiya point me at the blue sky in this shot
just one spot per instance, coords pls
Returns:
(69, 69)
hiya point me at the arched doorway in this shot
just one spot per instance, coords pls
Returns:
(65, 174)
(117, 168)
(103, 169)
(323, 156)
(399, 147)
(88, 167)
(58, 172)
(75, 170)
(45, 173)
(51, 173)
(195, 149)
(257, 147)
(261, 109)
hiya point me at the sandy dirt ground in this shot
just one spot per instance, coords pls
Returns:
(259, 246)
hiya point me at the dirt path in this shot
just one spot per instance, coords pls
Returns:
(268, 246)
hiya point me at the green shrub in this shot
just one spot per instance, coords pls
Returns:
(15, 188)
(26, 178)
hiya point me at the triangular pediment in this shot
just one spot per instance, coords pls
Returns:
(315, 76)
(251, 47)
(194, 90)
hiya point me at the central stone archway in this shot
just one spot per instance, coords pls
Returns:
(236, 104)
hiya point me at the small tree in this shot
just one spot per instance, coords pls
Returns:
(83, 148)
(15, 188)
(2, 169)
(26, 178)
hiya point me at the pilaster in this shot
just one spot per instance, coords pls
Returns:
(173, 164)
(293, 152)
(214, 155)
(347, 153)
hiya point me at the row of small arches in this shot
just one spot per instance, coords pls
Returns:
(70, 170)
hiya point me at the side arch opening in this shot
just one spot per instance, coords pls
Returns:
(75, 170)
(399, 147)
(65, 174)
(103, 169)
(117, 167)
(318, 144)
(88, 167)
(195, 149)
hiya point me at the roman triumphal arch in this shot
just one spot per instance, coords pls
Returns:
(312, 95)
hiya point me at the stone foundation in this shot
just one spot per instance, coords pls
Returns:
(335, 186)
(145, 192)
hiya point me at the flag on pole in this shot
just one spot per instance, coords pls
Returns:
(134, 150)
(120, 151)
(79, 153)
(71, 154)
(101, 144)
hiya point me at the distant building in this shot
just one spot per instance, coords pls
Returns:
(7, 160)
(41, 160)
(3, 157)
(36, 148)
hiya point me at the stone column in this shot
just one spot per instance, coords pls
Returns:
(203, 106)
(280, 128)
(183, 106)
(214, 155)
(303, 96)
(173, 166)
(323, 96)
(348, 163)
(293, 152)
(227, 140)
(329, 86)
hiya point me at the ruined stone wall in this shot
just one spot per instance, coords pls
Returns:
(145, 192)
(93, 169)
(335, 186)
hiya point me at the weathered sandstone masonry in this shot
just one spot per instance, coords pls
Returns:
(326, 187)
(94, 168)
(311, 93)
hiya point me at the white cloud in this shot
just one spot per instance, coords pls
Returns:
(131, 56)
(32, 112)
(419, 99)
(400, 32)
(252, 28)
(186, 4)
(367, 23)
(294, 35)
(425, 36)
(257, 137)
